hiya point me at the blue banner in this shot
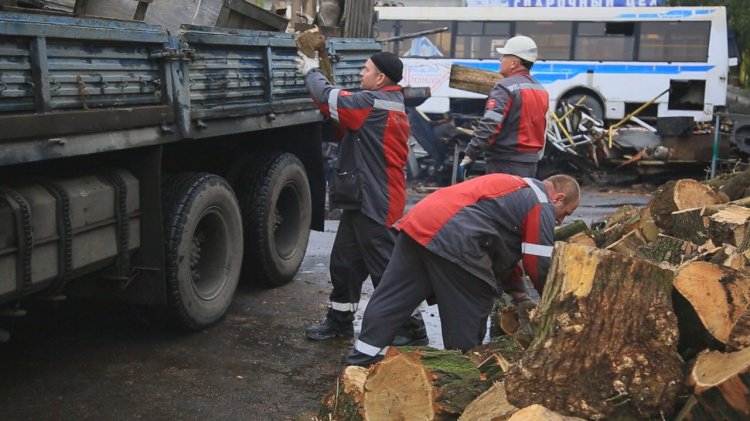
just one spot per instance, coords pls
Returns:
(563, 3)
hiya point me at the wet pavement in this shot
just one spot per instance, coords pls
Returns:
(91, 361)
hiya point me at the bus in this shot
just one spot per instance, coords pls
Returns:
(613, 59)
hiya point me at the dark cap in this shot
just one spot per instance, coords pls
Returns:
(389, 65)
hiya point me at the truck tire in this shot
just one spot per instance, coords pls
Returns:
(203, 247)
(277, 210)
(593, 104)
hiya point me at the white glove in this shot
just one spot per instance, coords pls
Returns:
(305, 63)
(466, 161)
(525, 306)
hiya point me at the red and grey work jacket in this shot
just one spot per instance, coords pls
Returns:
(514, 123)
(370, 168)
(487, 225)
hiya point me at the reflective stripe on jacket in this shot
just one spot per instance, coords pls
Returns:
(373, 145)
(515, 120)
(487, 225)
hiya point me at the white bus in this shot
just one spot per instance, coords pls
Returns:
(620, 58)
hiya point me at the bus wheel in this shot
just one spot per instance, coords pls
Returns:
(277, 210)
(592, 103)
(203, 247)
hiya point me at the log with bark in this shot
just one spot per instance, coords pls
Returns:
(472, 79)
(721, 387)
(671, 250)
(732, 186)
(690, 225)
(728, 225)
(608, 319)
(492, 405)
(679, 195)
(629, 245)
(715, 300)
(646, 225)
(425, 384)
(312, 41)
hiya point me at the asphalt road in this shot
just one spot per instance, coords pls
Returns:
(81, 360)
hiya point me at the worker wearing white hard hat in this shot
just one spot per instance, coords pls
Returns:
(511, 133)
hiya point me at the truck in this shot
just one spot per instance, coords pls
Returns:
(156, 167)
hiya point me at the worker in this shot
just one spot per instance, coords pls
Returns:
(511, 134)
(368, 184)
(458, 246)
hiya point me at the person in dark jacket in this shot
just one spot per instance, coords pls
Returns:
(368, 184)
(512, 131)
(459, 246)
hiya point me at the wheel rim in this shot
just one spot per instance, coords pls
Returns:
(209, 253)
(286, 221)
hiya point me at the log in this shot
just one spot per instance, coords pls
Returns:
(728, 225)
(492, 405)
(671, 250)
(583, 238)
(721, 387)
(424, 384)
(678, 195)
(629, 245)
(690, 225)
(646, 225)
(472, 79)
(718, 296)
(538, 412)
(622, 214)
(739, 337)
(311, 41)
(567, 231)
(732, 187)
(588, 331)
(730, 257)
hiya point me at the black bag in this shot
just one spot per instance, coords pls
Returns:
(346, 187)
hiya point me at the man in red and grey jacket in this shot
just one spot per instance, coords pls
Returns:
(460, 245)
(368, 185)
(512, 131)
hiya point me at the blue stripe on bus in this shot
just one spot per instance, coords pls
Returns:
(672, 14)
(548, 73)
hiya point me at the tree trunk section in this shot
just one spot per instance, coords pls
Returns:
(563, 233)
(621, 215)
(719, 296)
(679, 195)
(728, 225)
(721, 385)
(423, 384)
(670, 250)
(588, 331)
(492, 405)
(472, 79)
(647, 226)
(311, 41)
(538, 412)
(732, 187)
(690, 225)
(629, 245)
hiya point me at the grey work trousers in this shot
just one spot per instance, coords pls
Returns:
(521, 169)
(415, 274)
(362, 248)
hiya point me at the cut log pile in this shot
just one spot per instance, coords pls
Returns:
(648, 318)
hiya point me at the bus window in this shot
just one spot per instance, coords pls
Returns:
(552, 38)
(604, 41)
(434, 45)
(480, 39)
(674, 41)
(386, 29)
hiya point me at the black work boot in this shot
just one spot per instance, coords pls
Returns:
(412, 333)
(338, 324)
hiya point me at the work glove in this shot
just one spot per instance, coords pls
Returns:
(525, 305)
(467, 161)
(463, 167)
(305, 63)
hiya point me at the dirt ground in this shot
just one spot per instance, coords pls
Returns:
(91, 361)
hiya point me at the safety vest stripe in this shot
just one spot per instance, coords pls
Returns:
(494, 116)
(539, 193)
(333, 103)
(344, 306)
(389, 105)
(536, 249)
(368, 349)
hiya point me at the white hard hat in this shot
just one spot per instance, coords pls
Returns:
(520, 46)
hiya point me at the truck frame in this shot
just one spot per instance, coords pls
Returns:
(151, 168)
